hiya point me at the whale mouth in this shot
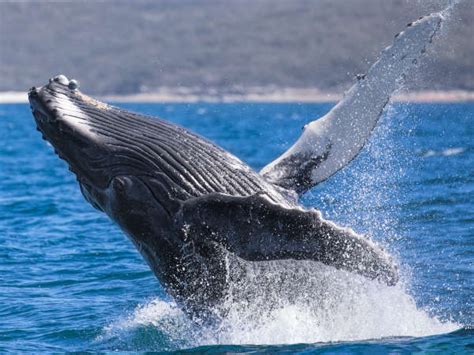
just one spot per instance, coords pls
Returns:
(41, 114)
(44, 103)
(45, 115)
(60, 120)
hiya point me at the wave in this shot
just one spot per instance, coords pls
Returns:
(442, 153)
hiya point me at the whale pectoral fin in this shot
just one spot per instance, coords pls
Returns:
(257, 230)
(331, 142)
(294, 172)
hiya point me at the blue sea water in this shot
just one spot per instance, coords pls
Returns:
(71, 281)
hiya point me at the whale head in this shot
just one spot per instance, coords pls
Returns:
(116, 157)
(93, 139)
(62, 122)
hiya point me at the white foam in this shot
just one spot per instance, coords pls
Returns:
(445, 152)
(292, 302)
(452, 151)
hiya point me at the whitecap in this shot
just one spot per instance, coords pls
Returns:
(452, 151)
(444, 152)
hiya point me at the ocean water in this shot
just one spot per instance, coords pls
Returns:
(71, 281)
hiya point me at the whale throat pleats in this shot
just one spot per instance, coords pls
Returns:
(190, 165)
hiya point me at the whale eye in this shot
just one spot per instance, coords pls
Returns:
(119, 185)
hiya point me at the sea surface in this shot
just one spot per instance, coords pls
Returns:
(71, 281)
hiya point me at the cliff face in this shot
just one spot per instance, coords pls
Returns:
(125, 47)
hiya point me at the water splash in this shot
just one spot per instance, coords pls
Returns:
(286, 302)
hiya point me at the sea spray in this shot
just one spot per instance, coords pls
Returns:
(285, 302)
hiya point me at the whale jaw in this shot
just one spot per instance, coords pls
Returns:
(63, 124)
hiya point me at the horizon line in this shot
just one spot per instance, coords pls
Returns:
(281, 95)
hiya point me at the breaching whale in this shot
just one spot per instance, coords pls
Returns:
(187, 204)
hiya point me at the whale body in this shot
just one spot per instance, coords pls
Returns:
(187, 204)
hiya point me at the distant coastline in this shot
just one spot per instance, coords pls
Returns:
(264, 95)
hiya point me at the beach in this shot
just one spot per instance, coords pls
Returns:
(263, 95)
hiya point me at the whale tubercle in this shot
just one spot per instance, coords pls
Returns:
(73, 84)
(61, 79)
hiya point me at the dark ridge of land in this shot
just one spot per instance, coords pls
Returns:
(124, 47)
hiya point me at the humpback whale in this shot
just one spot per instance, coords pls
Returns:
(187, 204)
